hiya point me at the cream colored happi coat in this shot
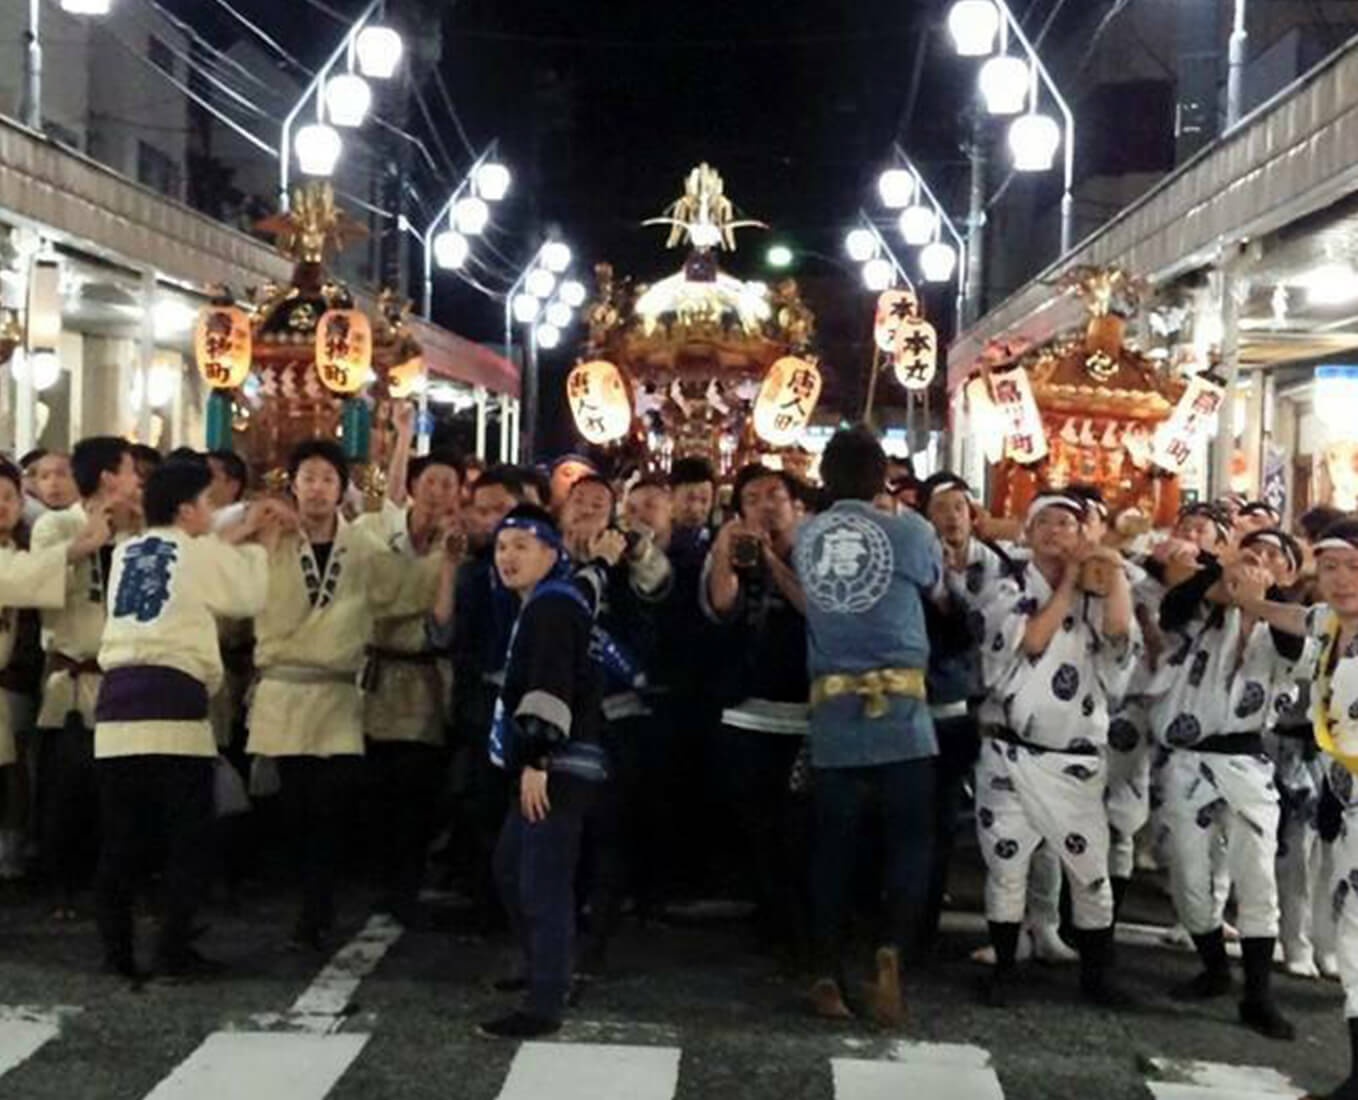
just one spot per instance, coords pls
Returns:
(35, 578)
(74, 629)
(311, 638)
(166, 590)
(406, 701)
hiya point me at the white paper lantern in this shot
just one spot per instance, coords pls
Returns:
(937, 261)
(861, 245)
(1033, 140)
(914, 358)
(492, 181)
(540, 282)
(526, 308)
(558, 314)
(347, 99)
(896, 186)
(451, 250)
(1005, 81)
(556, 256)
(572, 292)
(41, 365)
(318, 148)
(786, 399)
(470, 216)
(878, 274)
(600, 403)
(548, 336)
(973, 25)
(893, 308)
(379, 51)
(917, 225)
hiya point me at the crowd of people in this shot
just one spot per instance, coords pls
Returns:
(573, 693)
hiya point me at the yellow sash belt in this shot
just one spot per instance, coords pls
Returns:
(874, 686)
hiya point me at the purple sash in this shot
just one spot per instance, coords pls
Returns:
(150, 693)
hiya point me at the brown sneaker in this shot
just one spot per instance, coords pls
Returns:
(883, 997)
(827, 1001)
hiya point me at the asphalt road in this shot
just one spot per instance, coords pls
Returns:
(689, 1010)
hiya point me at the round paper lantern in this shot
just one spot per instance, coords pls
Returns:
(318, 148)
(1005, 81)
(1033, 140)
(937, 261)
(344, 350)
(599, 401)
(915, 357)
(896, 186)
(893, 307)
(379, 51)
(347, 99)
(786, 400)
(917, 224)
(878, 274)
(492, 181)
(973, 25)
(222, 346)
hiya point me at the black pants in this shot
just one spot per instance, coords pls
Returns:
(147, 802)
(535, 865)
(958, 748)
(771, 831)
(404, 782)
(318, 795)
(903, 795)
(68, 805)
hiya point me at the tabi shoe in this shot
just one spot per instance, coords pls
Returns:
(1302, 968)
(1215, 979)
(519, 1025)
(1049, 947)
(827, 1001)
(1328, 965)
(1257, 1008)
(1095, 959)
(883, 998)
(1264, 1017)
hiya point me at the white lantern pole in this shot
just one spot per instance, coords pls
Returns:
(445, 211)
(549, 258)
(941, 221)
(317, 88)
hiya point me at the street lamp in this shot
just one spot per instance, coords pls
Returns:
(918, 224)
(937, 261)
(1031, 135)
(526, 302)
(572, 292)
(896, 187)
(540, 282)
(526, 307)
(451, 250)
(881, 269)
(445, 242)
(30, 103)
(375, 51)
(779, 256)
(860, 244)
(922, 225)
(492, 181)
(471, 215)
(1004, 84)
(878, 274)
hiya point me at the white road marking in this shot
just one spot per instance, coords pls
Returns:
(954, 1070)
(261, 1066)
(1188, 1080)
(25, 1030)
(592, 1071)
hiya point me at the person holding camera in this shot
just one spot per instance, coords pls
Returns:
(1056, 658)
(750, 590)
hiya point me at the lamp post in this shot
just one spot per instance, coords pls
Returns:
(922, 223)
(486, 180)
(527, 302)
(375, 50)
(1033, 136)
(1235, 67)
(30, 100)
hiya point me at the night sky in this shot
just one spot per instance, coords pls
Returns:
(602, 109)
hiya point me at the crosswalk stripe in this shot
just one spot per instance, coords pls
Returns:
(955, 1070)
(246, 1065)
(24, 1031)
(1189, 1080)
(592, 1071)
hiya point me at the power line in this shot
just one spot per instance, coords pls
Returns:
(452, 111)
(414, 90)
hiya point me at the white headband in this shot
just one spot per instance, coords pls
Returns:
(1043, 501)
(1334, 544)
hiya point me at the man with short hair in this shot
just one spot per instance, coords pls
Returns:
(230, 477)
(107, 480)
(154, 741)
(694, 487)
(866, 576)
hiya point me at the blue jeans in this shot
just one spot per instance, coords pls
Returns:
(903, 795)
(535, 865)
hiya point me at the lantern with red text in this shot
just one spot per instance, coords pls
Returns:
(786, 401)
(222, 347)
(599, 401)
(894, 308)
(344, 350)
(915, 356)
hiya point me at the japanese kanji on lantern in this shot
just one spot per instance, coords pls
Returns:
(599, 401)
(1194, 418)
(222, 348)
(986, 421)
(894, 308)
(1025, 440)
(344, 350)
(786, 400)
(915, 355)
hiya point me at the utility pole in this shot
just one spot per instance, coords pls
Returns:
(976, 153)
(30, 103)
(1235, 70)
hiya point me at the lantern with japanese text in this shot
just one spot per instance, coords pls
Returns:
(894, 308)
(1193, 420)
(786, 401)
(599, 401)
(344, 349)
(222, 347)
(915, 355)
(1025, 440)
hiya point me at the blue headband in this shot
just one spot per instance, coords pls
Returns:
(543, 532)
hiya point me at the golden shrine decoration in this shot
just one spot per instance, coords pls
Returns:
(222, 345)
(1097, 404)
(600, 404)
(786, 400)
